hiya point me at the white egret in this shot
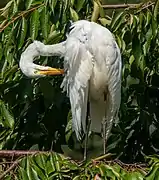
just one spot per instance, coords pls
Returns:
(92, 65)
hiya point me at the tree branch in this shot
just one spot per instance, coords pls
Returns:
(17, 153)
(17, 17)
(130, 6)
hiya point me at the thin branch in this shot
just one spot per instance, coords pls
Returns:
(17, 17)
(130, 6)
(105, 156)
(17, 153)
(146, 6)
(15, 163)
(121, 6)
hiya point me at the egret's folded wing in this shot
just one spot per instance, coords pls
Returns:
(78, 63)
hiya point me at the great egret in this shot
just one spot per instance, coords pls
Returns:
(92, 65)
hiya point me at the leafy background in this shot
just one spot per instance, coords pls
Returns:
(35, 113)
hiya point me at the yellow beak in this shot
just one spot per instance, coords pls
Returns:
(51, 71)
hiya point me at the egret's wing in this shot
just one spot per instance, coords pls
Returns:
(78, 63)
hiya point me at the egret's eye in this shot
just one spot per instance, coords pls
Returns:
(36, 72)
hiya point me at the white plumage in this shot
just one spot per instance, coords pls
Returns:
(92, 63)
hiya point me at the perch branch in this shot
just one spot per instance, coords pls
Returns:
(17, 153)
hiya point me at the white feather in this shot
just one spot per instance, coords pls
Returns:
(78, 62)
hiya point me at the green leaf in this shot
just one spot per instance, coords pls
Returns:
(9, 120)
(104, 21)
(40, 160)
(136, 49)
(80, 5)
(57, 160)
(22, 173)
(135, 23)
(34, 174)
(116, 19)
(54, 37)
(1, 51)
(28, 3)
(148, 17)
(155, 11)
(96, 11)
(152, 174)
(154, 28)
(44, 20)
(52, 162)
(74, 15)
(52, 4)
(147, 44)
(77, 177)
(23, 32)
(141, 21)
(34, 24)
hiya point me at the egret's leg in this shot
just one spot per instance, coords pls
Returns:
(86, 139)
(104, 135)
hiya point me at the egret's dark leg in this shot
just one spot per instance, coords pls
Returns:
(88, 123)
(86, 139)
(104, 135)
(105, 122)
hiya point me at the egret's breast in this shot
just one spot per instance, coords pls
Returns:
(98, 83)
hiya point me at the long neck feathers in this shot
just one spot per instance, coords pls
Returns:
(50, 50)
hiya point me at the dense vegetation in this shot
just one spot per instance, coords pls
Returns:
(35, 113)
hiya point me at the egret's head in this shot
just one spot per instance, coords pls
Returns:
(33, 70)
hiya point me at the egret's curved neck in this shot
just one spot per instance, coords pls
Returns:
(39, 49)
(50, 50)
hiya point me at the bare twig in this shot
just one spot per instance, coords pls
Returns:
(105, 156)
(120, 6)
(17, 17)
(15, 163)
(130, 6)
(17, 153)
(146, 6)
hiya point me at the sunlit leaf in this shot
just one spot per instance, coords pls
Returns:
(96, 10)
(74, 15)
(23, 174)
(80, 5)
(155, 11)
(34, 24)
(28, 3)
(8, 117)
(117, 18)
(23, 33)
(44, 20)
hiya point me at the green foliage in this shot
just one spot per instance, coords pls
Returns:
(56, 166)
(34, 112)
(137, 37)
